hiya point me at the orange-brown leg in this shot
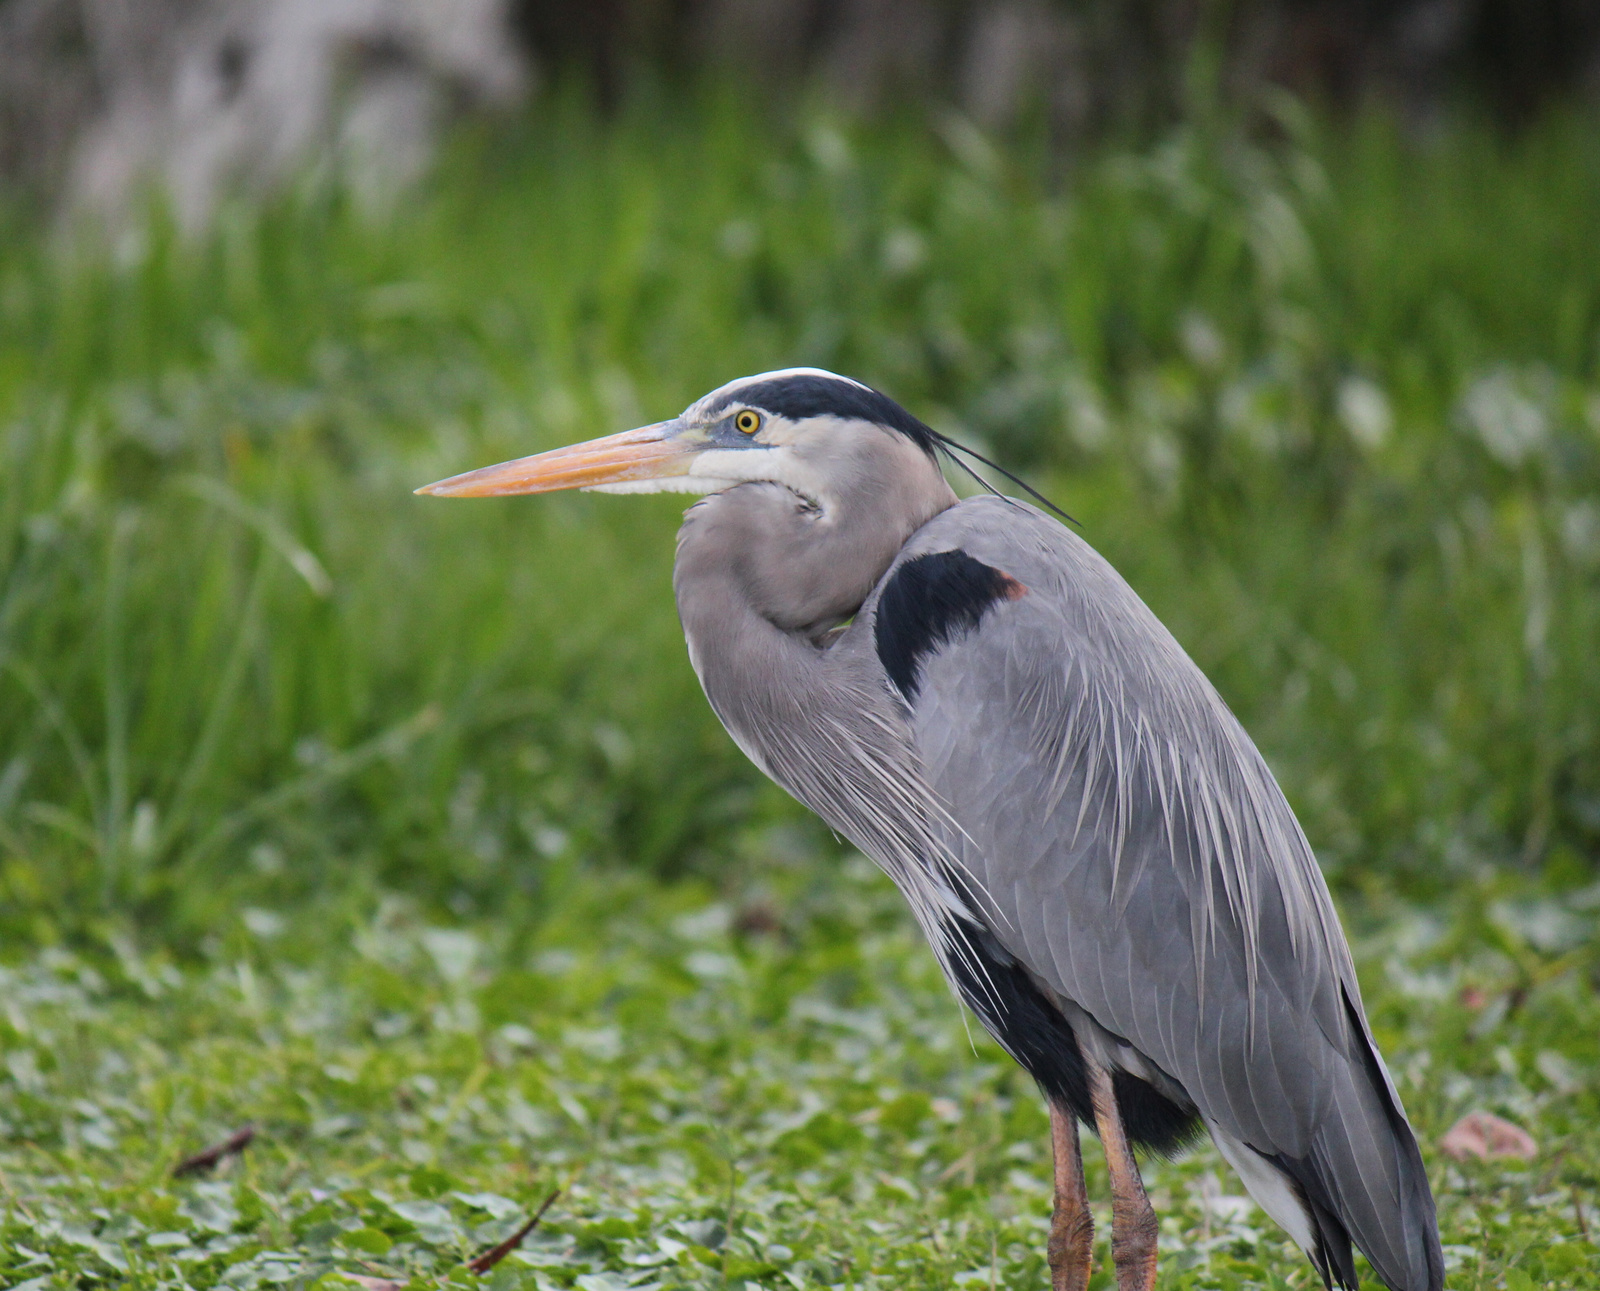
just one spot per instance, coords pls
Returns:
(1133, 1219)
(1071, 1248)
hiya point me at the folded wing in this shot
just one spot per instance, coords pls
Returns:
(1127, 844)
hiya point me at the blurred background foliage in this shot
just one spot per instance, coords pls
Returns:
(1318, 371)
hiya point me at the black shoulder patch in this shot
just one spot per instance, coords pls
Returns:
(928, 601)
(800, 396)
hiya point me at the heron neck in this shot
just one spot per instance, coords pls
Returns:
(813, 714)
(763, 574)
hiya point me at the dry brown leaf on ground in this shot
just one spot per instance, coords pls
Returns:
(1487, 1136)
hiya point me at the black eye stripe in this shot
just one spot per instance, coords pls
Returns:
(800, 396)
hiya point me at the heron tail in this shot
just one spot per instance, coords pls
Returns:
(1363, 1181)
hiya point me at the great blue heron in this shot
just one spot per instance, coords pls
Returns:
(1100, 858)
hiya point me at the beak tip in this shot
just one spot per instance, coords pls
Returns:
(646, 453)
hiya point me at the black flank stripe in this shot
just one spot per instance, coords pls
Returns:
(1031, 1029)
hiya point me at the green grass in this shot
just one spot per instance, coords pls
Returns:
(1332, 405)
(766, 1085)
(1330, 399)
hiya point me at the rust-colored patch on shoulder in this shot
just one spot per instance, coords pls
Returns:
(1010, 588)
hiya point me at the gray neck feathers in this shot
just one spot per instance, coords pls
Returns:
(761, 575)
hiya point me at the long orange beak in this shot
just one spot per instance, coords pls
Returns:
(649, 453)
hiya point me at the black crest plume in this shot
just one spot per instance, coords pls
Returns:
(807, 395)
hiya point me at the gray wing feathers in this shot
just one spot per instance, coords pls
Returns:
(1146, 866)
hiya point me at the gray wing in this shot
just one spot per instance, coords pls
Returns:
(1132, 849)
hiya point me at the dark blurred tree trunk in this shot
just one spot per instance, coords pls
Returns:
(1093, 62)
(1514, 55)
(1524, 52)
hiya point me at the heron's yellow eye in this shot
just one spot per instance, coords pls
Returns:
(747, 422)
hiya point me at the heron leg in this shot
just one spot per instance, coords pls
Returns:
(1071, 1248)
(1133, 1219)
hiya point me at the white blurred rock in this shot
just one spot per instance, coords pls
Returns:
(1506, 409)
(204, 97)
(1365, 412)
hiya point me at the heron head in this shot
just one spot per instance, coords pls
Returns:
(803, 428)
